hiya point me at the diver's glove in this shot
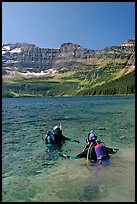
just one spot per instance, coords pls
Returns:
(65, 156)
(72, 157)
(76, 141)
(69, 157)
(115, 150)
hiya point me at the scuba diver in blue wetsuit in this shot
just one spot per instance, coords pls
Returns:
(95, 150)
(56, 137)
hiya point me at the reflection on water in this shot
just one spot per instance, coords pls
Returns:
(32, 173)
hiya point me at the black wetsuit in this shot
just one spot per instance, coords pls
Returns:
(92, 156)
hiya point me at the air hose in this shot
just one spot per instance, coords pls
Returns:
(88, 151)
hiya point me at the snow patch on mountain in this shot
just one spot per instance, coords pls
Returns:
(16, 50)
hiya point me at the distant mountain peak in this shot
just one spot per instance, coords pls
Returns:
(129, 42)
(69, 45)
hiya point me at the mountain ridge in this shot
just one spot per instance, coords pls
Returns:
(68, 70)
(26, 57)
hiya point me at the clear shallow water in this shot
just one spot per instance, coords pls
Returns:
(30, 174)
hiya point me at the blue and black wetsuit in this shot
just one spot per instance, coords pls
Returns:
(57, 138)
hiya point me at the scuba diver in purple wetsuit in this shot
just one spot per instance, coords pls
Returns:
(95, 150)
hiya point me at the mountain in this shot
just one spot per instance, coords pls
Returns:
(81, 71)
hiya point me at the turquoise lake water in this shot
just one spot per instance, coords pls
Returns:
(30, 174)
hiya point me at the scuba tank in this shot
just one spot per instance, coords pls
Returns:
(49, 139)
(100, 151)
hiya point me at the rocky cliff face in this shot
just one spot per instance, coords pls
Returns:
(28, 57)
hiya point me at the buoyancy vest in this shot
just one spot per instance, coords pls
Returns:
(100, 151)
(58, 137)
(53, 138)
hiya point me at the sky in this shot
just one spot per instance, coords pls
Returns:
(92, 25)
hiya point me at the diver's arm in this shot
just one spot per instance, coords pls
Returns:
(67, 138)
(78, 156)
(82, 154)
(111, 150)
